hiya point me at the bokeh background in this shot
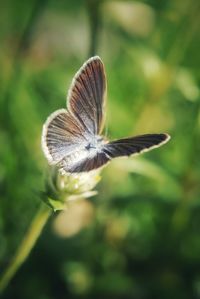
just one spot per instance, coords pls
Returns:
(139, 237)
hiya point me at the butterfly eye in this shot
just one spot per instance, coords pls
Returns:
(89, 146)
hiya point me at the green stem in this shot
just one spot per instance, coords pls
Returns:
(94, 14)
(26, 245)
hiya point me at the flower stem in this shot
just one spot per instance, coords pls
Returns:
(26, 245)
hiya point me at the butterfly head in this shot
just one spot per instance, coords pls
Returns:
(95, 144)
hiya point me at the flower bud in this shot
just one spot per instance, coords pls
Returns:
(62, 187)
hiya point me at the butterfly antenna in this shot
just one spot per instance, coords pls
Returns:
(106, 130)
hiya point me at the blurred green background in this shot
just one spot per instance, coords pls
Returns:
(139, 237)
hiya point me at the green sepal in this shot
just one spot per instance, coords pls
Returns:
(56, 205)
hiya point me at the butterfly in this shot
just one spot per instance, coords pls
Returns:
(72, 138)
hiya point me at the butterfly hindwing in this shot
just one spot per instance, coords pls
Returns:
(62, 134)
(87, 164)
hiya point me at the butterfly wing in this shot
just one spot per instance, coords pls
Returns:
(61, 135)
(86, 164)
(117, 148)
(67, 131)
(86, 96)
(134, 145)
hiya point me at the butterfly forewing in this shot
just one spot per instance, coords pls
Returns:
(134, 145)
(117, 148)
(87, 95)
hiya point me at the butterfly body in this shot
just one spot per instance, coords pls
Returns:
(71, 137)
(88, 150)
